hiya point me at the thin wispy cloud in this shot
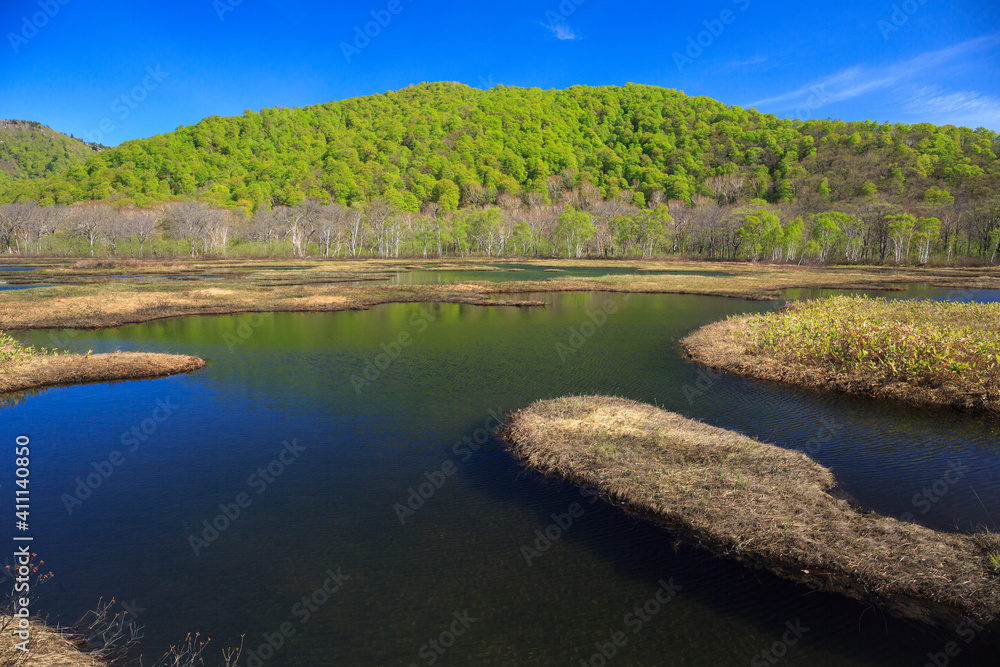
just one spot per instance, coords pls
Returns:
(835, 88)
(752, 61)
(859, 80)
(966, 107)
(561, 31)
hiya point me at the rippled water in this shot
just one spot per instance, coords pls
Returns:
(336, 506)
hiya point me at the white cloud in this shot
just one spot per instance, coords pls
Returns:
(562, 31)
(897, 78)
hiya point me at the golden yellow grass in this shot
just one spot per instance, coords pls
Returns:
(91, 297)
(758, 502)
(48, 371)
(919, 351)
(115, 304)
(25, 368)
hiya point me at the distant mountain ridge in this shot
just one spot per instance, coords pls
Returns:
(30, 150)
(452, 144)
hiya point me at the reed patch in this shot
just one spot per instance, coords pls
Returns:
(920, 351)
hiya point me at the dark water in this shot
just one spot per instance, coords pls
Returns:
(335, 506)
(4, 269)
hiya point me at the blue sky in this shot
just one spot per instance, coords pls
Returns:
(115, 71)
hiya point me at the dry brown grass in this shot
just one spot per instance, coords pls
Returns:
(48, 648)
(126, 263)
(91, 298)
(767, 505)
(751, 281)
(921, 352)
(115, 304)
(43, 370)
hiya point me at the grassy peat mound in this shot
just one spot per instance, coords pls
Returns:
(23, 368)
(765, 505)
(922, 352)
(48, 648)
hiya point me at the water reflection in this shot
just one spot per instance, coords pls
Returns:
(369, 446)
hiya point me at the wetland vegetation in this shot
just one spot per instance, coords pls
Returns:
(754, 501)
(920, 351)
(793, 520)
(102, 293)
(24, 368)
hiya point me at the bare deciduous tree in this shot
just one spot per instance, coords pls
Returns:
(143, 225)
(91, 222)
(726, 187)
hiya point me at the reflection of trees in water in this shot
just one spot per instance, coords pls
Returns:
(16, 398)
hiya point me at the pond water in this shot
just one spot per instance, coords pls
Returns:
(328, 463)
(528, 272)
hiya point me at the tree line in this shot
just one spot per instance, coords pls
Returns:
(573, 222)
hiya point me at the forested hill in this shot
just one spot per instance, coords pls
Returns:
(30, 150)
(454, 144)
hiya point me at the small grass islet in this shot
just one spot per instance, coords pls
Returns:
(24, 368)
(765, 505)
(923, 352)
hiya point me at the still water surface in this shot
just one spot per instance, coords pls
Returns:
(508, 272)
(359, 449)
